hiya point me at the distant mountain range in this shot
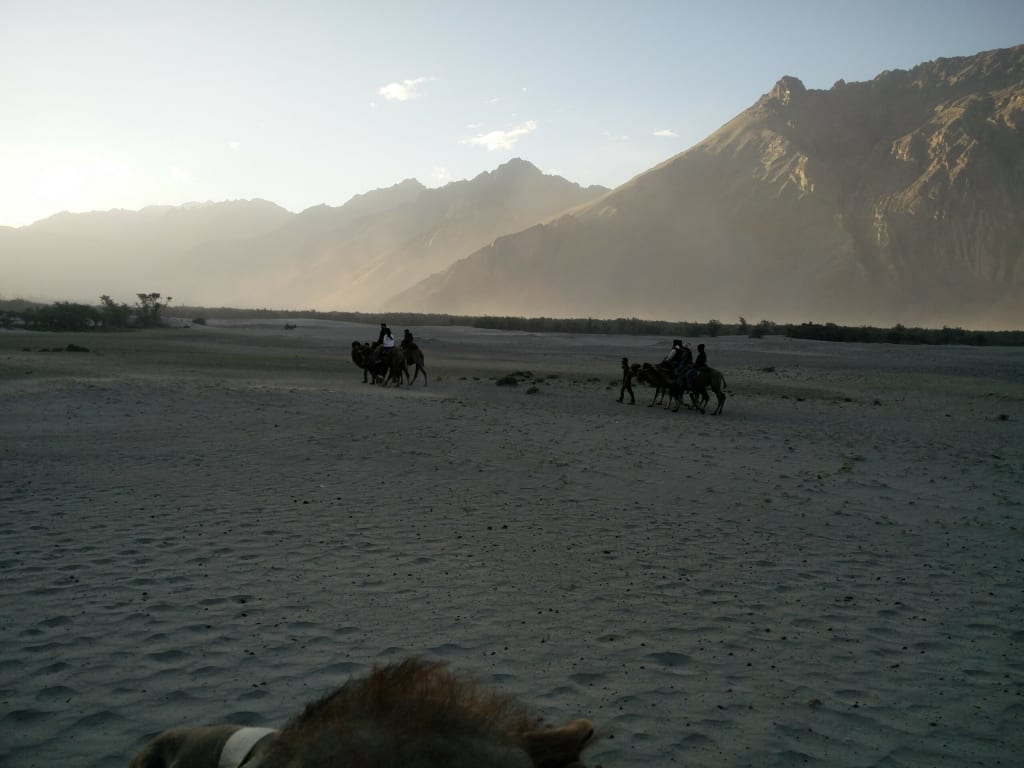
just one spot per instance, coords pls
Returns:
(896, 200)
(252, 253)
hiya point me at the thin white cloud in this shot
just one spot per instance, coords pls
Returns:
(233, 145)
(666, 133)
(403, 91)
(502, 139)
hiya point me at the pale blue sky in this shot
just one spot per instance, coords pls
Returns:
(110, 104)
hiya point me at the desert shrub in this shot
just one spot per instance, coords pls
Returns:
(61, 316)
(148, 309)
(114, 315)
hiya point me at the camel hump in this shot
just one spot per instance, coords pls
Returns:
(555, 747)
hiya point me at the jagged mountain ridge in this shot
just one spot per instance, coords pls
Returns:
(363, 262)
(893, 200)
(254, 253)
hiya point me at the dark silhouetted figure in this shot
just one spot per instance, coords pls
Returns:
(683, 360)
(698, 364)
(672, 358)
(627, 382)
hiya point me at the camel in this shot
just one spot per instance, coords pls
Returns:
(414, 356)
(395, 367)
(414, 713)
(702, 379)
(363, 356)
(368, 357)
(662, 381)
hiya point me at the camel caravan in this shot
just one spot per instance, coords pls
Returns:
(414, 714)
(677, 375)
(384, 363)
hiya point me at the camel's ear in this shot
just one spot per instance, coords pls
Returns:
(554, 747)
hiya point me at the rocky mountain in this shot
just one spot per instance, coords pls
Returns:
(362, 254)
(256, 254)
(888, 201)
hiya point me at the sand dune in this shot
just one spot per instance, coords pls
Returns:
(220, 523)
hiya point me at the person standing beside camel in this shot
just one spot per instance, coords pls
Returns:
(627, 382)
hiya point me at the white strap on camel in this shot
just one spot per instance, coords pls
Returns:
(240, 744)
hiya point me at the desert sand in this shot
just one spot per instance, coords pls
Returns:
(220, 523)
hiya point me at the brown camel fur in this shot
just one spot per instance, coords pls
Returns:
(369, 358)
(702, 379)
(365, 357)
(414, 356)
(413, 714)
(202, 747)
(663, 383)
(395, 367)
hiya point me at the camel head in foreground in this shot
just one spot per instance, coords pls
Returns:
(413, 714)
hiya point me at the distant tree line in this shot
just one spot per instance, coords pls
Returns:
(72, 316)
(899, 334)
(147, 312)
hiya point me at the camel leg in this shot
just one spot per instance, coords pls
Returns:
(721, 402)
(416, 374)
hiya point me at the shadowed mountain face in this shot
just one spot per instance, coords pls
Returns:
(894, 200)
(254, 254)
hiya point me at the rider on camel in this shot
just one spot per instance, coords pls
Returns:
(700, 363)
(683, 361)
(387, 343)
(672, 358)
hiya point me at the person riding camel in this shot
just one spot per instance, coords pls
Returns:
(407, 341)
(698, 364)
(683, 361)
(387, 344)
(671, 358)
(380, 336)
